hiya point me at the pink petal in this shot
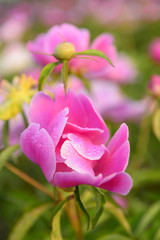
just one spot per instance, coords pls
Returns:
(121, 183)
(42, 109)
(94, 119)
(38, 146)
(74, 160)
(71, 179)
(39, 45)
(104, 43)
(56, 127)
(85, 147)
(91, 133)
(77, 114)
(78, 37)
(111, 164)
(118, 139)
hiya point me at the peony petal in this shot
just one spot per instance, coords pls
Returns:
(71, 179)
(42, 109)
(85, 147)
(39, 45)
(104, 43)
(74, 160)
(94, 119)
(118, 139)
(121, 183)
(91, 133)
(38, 146)
(77, 114)
(78, 37)
(117, 162)
(56, 127)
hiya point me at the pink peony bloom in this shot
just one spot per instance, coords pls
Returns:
(80, 38)
(124, 70)
(154, 85)
(114, 105)
(67, 139)
(154, 50)
(16, 21)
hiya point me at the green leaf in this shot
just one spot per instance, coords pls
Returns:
(81, 206)
(27, 221)
(100, 200)
(56, 231)
(148, 218)
(145, 176)
(95, 52)
(6, 153)
(46, 71)
(114, 237)
(5, 133)
(59, 206)
(119, 215)
(157, 234)
(85, 82)
(156, 124)
(64, 73)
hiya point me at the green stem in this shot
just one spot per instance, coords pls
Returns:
(64, 74)
(143, 139)
(28, 179)
(5, 133)
(24, 118)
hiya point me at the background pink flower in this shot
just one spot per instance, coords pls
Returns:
(154, 50)
(67, 139)
(154, 85)
(80, 38)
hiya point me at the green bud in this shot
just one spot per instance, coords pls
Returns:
(64, 51)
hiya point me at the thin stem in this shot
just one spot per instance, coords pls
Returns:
(64, 73)
(143, 138)
(5, 133)
(28, 179)
(72, 213)
(24, 118)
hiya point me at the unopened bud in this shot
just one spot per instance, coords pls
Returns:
(64, 51)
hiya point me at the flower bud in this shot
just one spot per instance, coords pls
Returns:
(154, 85)
(64, 51)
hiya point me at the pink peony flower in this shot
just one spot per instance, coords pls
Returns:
(154, 85)
(67, 139)
(154, 50)
(114, 105)
(124, 70)
(80, 38)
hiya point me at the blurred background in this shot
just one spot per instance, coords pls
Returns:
(135, 25)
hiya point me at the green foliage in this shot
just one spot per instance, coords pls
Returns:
(26, 222)
(96, 53)
(148, 218)
(46, 71)
(81, 206)
(7, 153)
(100, 201)
(156, 124)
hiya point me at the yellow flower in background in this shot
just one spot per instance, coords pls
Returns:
(15, 94)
